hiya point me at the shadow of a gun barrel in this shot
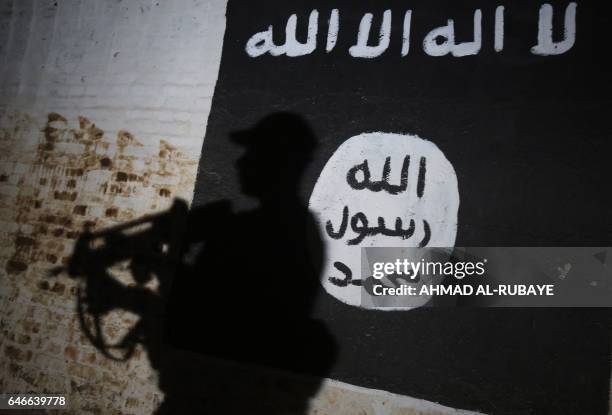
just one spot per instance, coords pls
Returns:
(126, 240)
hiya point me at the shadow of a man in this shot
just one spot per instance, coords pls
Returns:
(248, 290)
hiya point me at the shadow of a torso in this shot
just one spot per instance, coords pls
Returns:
(248, 295)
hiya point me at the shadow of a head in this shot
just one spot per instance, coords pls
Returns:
(278, 149)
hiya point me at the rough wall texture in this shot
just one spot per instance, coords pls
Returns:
(103, 108)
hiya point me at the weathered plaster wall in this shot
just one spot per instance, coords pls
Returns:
(103, 108)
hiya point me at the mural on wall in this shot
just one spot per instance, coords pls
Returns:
(437, 123)
(381, 189)
(440, 41)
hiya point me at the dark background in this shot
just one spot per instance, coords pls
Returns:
(529, 138)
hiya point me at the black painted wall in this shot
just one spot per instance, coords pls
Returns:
(529, 138)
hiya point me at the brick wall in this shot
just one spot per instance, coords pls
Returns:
(103, 108)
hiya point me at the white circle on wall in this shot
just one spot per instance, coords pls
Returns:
(381, 190)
